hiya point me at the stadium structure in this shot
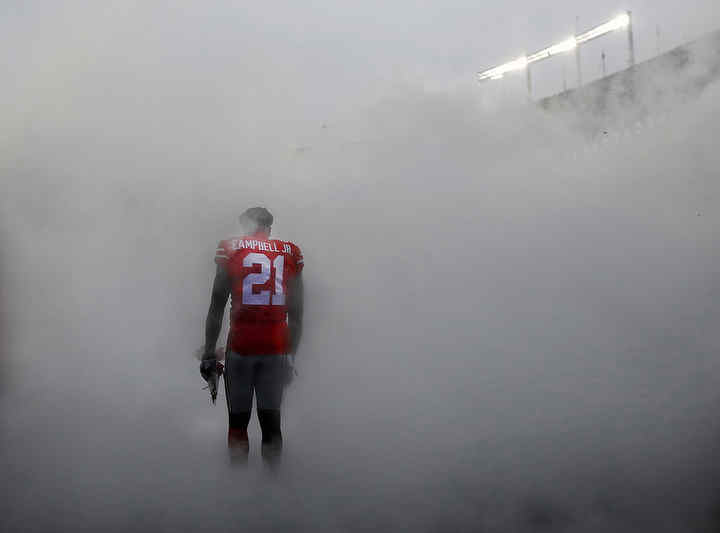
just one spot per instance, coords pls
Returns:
(631, 97)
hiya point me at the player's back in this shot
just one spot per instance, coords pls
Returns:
(260, 271)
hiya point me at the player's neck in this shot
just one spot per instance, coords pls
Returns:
(262, 235)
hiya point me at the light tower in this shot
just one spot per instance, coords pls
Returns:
(622, 21)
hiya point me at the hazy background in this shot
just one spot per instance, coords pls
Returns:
(504, 330)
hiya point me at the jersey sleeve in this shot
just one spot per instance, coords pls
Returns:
(222, 253)
(299, 260)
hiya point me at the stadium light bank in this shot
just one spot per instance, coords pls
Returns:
(623, 21)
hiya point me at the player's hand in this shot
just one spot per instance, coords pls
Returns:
(211, 370)
(208, 368)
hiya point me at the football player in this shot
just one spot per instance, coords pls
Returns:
(263, 276)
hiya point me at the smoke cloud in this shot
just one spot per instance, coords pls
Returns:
(506, 329)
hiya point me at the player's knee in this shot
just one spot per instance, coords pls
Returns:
(239, 420)
(270, 426)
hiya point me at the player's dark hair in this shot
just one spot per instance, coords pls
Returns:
(259, 215)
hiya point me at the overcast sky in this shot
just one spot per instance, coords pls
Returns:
(326, 55)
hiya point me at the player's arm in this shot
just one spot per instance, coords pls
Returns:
(218, 300)
(295, 311)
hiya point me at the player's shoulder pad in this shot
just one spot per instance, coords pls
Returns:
(297, 253)
(291, 249)
(223, 251)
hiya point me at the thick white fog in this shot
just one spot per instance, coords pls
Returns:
(505, 329)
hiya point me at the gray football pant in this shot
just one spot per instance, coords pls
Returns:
(261, 375)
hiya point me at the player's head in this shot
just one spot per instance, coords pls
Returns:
(256, 220)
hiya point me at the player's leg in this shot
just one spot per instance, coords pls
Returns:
(269, 385)
(239, 395)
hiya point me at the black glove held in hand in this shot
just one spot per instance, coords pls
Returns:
(208, 368)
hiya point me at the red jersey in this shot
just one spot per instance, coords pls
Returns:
(259, 271)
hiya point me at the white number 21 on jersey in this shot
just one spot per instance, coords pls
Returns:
(260, 278)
